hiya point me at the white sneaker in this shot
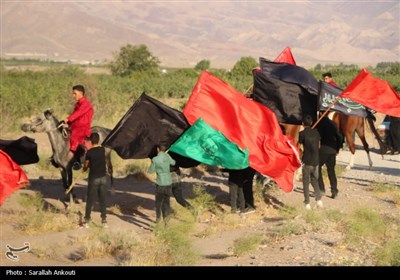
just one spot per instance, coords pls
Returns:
(308, 206)
(84, 225)
(320, 204)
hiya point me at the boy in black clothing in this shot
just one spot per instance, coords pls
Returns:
(331, 141)
(95, 161)
(310, 138)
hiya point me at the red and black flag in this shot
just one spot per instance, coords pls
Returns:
(148, 123)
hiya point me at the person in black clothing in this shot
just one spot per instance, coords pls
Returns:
(331, 142)
(310, 138)
(177, 187)
(96, 163)
(248, 174)
(394, 130)
(235, 183)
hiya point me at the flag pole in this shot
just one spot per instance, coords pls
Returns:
(326, 111)
(248, 89)
(74, 182)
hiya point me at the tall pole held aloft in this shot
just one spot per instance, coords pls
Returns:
(326, 111)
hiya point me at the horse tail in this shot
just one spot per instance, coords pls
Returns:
(383, 147)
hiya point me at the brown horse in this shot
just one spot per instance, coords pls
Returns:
(348, 125)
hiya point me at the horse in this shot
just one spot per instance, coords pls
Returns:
(348, 125)
(63, 158)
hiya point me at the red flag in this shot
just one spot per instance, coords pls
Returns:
(286, 57)
(248, 124)
(12, 177)
(373, 93)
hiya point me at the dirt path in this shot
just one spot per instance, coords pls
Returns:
(131, 209)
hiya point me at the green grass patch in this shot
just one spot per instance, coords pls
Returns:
(245, 245)
(315, 219)
(389, 254)
(289, 212)
(365, 224)
(334, 215)
(380, 187)
(203, 201)
(176, 237)
(286, 229)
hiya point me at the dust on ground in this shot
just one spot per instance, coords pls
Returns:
(136, 214)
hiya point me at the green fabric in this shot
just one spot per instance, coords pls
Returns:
(203, 143)
(161, 164)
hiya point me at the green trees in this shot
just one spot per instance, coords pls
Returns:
(131, 59)
(244, 66)
(241, 77)
(202, 65)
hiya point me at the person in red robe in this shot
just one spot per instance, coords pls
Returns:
(79, 122)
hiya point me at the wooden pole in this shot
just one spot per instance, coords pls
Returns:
(74, 182)
(248, 89)
(326, 111)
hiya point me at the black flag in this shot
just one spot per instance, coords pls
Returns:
(291, 74)
(289, 101)
(148, 123)
(344, 105)
(22, 151)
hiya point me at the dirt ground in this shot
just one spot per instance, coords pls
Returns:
(135, 199)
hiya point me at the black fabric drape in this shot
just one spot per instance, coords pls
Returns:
(289, 101)
(22, 151)
(148, 123)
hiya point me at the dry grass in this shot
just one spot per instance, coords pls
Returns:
(46, 253)
(389, 192)
(38, 217)
(115, 209)
(247, 244)
(100, 243)
(388, 254)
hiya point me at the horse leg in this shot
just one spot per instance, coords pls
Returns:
(66, 181)
(360, 133)
(352, 147)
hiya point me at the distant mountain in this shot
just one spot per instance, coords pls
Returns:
(183, 33)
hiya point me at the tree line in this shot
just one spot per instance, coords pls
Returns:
(134, 69)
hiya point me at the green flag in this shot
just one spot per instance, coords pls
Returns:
(203, 143)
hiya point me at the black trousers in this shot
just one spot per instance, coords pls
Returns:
(236, 194)
(99, 186)
(248, 188)
(163, 202)
(330, 161)
(310, 173)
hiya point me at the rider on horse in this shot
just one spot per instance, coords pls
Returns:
(79, 122)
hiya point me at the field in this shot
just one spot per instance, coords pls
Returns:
(358, 228)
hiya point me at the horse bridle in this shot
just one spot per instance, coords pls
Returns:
(64, 131)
